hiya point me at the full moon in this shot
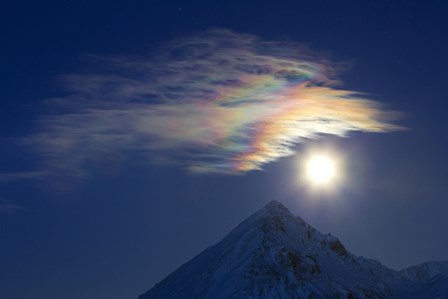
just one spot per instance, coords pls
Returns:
(320, 169)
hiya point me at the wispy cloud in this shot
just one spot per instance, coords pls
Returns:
(8, 207)
(216, 102)
(20, 176)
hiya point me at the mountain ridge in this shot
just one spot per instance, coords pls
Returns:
(275, 254)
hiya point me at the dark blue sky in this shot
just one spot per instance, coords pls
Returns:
(117, 231)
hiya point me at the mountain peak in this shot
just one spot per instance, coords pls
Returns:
(275, 206)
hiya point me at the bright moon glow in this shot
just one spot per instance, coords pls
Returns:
(320, 170)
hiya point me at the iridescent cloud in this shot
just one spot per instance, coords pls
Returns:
(214, 102)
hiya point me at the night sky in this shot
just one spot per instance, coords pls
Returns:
(120, 160)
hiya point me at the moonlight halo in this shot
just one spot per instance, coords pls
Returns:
(322, 170)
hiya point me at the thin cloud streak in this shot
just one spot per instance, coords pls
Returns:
(215, 102)
(8, 208)
(20, 176)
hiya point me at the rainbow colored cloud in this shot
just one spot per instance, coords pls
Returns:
(217, 102)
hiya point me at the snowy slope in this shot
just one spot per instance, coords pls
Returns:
(274, 254)
(430, 277)
(425, 272)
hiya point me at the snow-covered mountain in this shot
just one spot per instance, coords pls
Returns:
(274, 254)
(425, 272)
